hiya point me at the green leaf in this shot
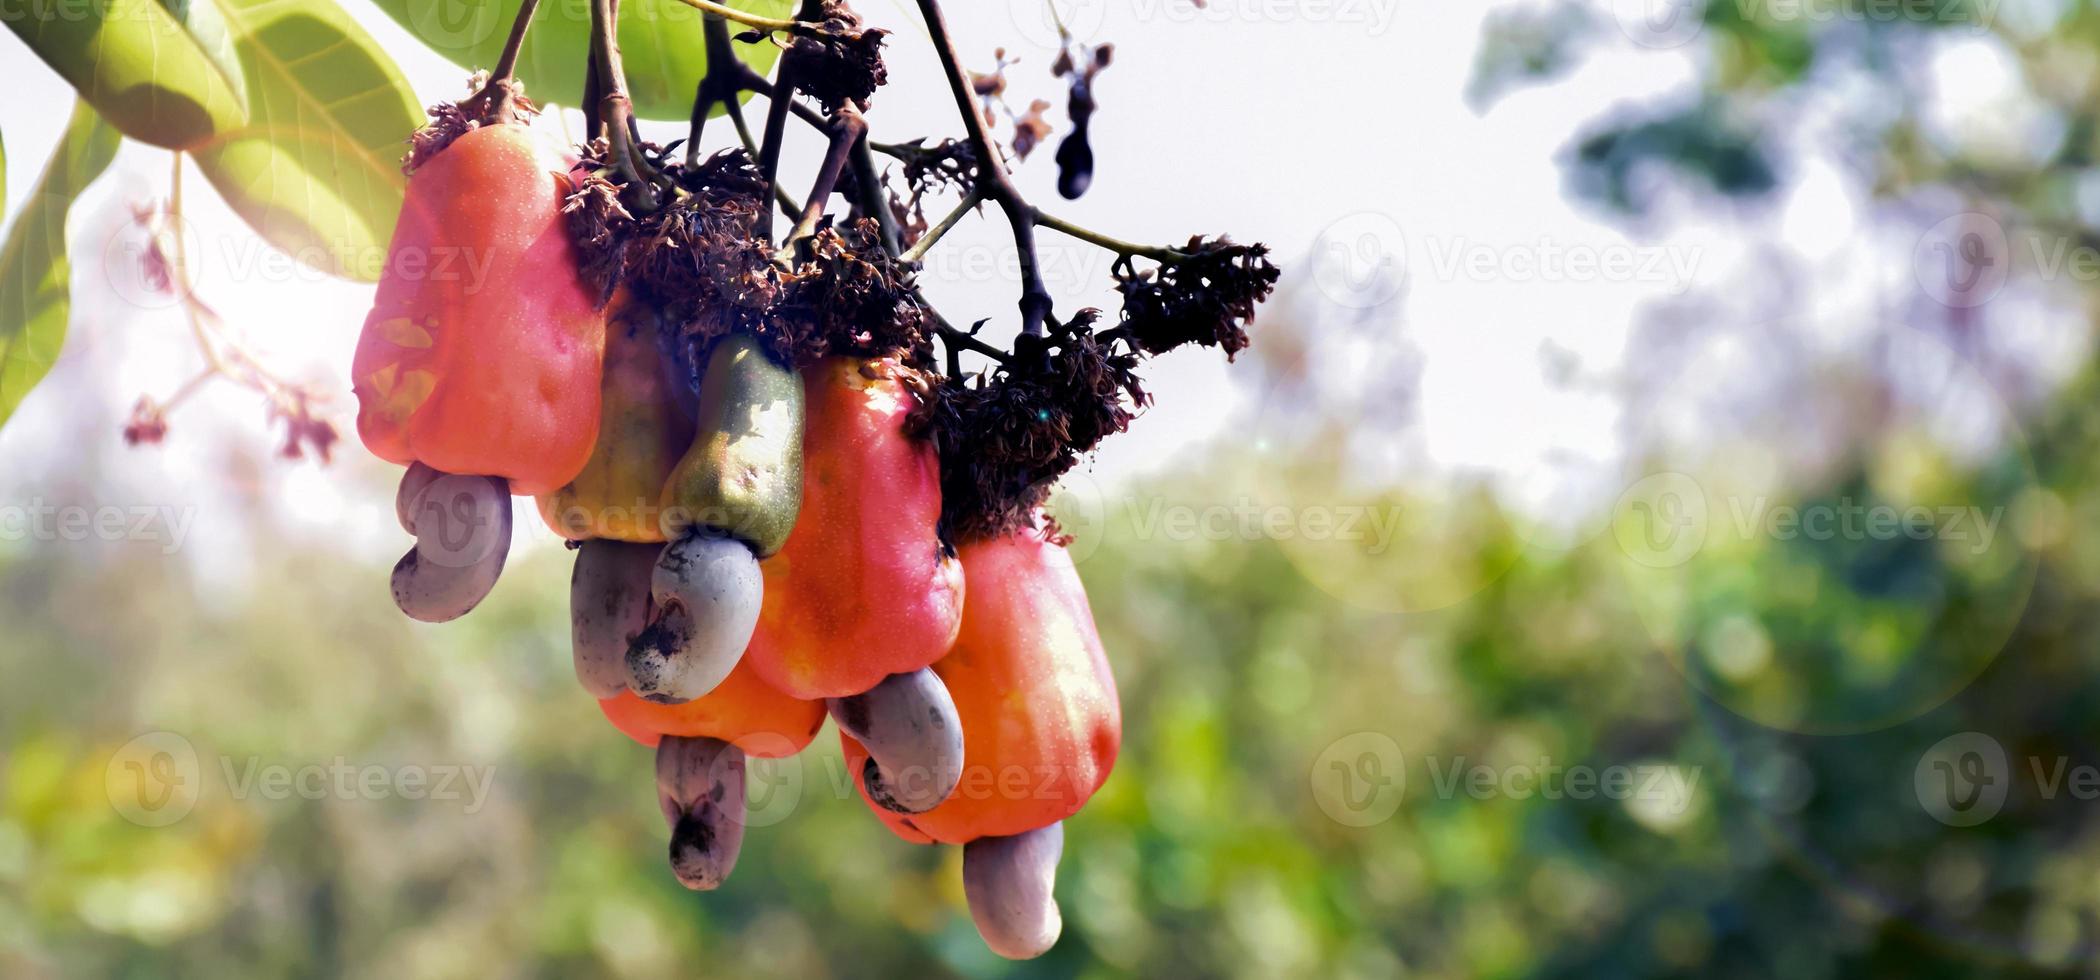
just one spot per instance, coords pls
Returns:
(660, 45)
(34, 276)
(135, 64)
(317, 171)
(208, 28)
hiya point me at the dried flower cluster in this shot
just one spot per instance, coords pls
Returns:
(1205, 293)
(1005, 439)
(700, 262)
(452, 120)
(839, 62)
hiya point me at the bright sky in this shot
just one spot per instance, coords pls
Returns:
(1274, 122)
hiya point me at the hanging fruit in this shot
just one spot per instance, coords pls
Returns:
(1040, 726)
(863, 588)
(730, 501)
(776, 484)
(478, 367)
(642, 433)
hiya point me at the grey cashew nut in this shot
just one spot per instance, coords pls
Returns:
(1009, 883)
(707, 589)
(700, 785)
(462, 526)
(608, 607)
(913, 736)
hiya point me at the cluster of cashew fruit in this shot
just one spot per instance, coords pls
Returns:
(757, 544)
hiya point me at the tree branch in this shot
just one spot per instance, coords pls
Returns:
(871, 197)
(769, 25)
(616, 111)
(917, 252)
(1116, 245)
(498, 99)
(847, 130)
(992, 180)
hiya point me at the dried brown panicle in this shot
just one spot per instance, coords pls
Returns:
(842, 62)
(1005, 439)
(1205, 295)
(948, 164)
(148, 424)
(601, 228)
(851, 297)
(452, 120)
(305, 431)
(698, 261)
(1031, 128)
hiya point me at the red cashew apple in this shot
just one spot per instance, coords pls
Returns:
(482, 352)
(742, 710)
(1032, 686)
(861, 590)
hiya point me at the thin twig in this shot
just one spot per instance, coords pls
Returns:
(872, 200)
(1116, 245)
(917, 252)
(992, 180)
(617, 110)
(847, 129)
(507, 64)
(497, 101)
(768, 24)
(961, 340)
(714, 33)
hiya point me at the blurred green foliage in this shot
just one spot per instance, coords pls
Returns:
(1212, 850)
